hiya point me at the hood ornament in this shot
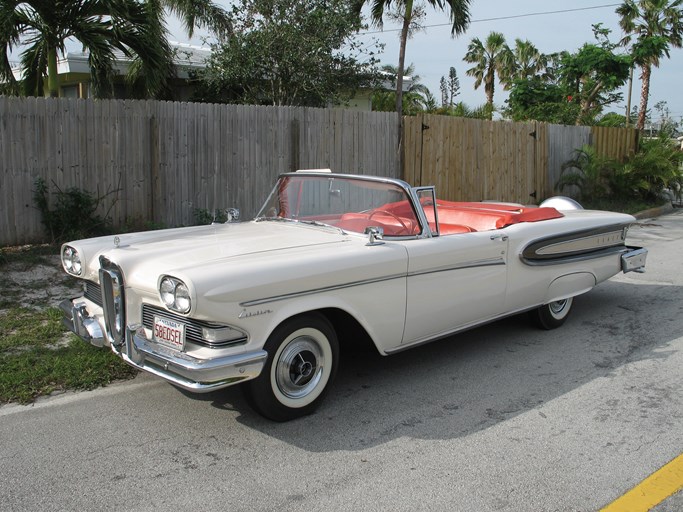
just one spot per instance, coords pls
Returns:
(117, 241)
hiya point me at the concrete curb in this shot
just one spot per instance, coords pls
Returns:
(654, 212)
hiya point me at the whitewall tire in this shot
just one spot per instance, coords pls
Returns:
(303, 355)
(554, 314)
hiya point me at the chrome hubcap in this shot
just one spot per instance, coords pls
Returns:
(558, 308)
(299, 367)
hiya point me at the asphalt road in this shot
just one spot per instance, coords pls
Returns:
(505, 417)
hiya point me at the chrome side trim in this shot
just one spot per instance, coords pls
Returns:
(586, 243)
(492, 262)
(592, 255)
(303, 293)
(575, 246)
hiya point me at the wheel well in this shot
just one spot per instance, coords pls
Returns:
(351, 334)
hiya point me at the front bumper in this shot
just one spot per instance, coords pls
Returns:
(179, 368)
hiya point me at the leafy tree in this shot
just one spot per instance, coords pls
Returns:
(576, 86)
(539, 100)
(289, 53)
(591, 76)
(460, 19)
(612, 119)
(135, 28)
(654, 27)
(450, 87)
(490, 58)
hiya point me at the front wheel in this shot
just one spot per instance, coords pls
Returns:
(553, 315)
(303, 355)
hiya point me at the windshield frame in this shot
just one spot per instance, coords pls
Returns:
(410, 195)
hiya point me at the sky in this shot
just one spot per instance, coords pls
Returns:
(433, 51)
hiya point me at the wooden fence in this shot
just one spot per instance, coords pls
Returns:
(159, 161)
(473, 160)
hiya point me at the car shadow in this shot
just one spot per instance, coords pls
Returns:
(477, 379)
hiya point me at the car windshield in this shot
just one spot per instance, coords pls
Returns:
(348, 203)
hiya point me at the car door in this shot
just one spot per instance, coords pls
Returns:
(454, 281)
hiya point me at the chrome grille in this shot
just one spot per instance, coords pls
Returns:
(113, 300)
(93, 292)
(193, 328)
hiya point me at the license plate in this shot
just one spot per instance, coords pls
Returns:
(169, 332)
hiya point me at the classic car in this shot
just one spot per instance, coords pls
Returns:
(269, 303)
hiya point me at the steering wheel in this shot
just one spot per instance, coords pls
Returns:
(393, 216)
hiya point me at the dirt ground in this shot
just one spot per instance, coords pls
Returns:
(36, 284)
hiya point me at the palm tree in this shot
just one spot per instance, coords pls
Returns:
(134, 28)
(460, 19)
(654, 26)
(527, 63)
(491, 57)
(414, 100)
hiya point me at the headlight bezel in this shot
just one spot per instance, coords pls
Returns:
(72, 260)
(175, 295)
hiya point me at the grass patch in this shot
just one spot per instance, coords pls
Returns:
(32, 362)
(26, 375)
(25, 328)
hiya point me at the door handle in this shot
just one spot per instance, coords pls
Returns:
(500, 236)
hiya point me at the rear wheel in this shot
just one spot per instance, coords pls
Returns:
(554, 314)
(302, 362)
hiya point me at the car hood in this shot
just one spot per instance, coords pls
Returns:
(245, 261)
(176, 249)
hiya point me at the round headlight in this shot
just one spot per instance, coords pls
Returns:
(175, 295)
(182, 298)
(72, 261)
(167, 291)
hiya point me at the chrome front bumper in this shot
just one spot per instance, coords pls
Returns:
(179, 368)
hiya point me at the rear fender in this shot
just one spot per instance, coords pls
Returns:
(569, 285)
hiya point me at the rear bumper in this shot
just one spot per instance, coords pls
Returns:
(633, 259)
(179, 368)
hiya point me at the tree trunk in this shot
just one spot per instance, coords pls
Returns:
(644, 94)
(490, 87)
(52, 76)
(407, 18)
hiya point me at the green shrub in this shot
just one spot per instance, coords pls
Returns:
(641, 179)
(74, 214)
(656, 166)
(591, 173)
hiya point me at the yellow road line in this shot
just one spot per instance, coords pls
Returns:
(653, 490)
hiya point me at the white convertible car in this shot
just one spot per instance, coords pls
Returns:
(271, 302)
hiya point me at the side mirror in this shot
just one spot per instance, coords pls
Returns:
(375, 235)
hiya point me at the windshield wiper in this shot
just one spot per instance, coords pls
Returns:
(276, 219)
(308, 222)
